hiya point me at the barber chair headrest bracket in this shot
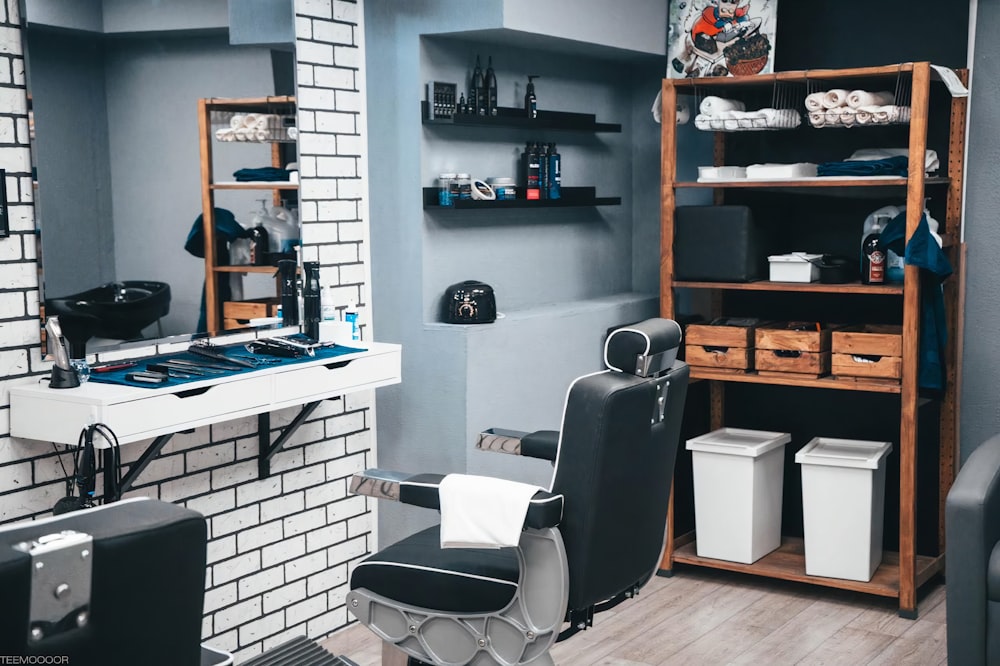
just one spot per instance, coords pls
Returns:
(61, 573)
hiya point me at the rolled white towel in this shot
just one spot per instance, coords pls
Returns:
(904, 114)
(243, 134)
(817, 118)
(858, 98)
(833, 117)
(292, 133)
(863, 116)
(236, 120)
(731, 124)
(713, 106)
(814, 101)
(261, 135)
(848, 117)
(701, 121)
(834, 98)
(224, 134)
(250, 120)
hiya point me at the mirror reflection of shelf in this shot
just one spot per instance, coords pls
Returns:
(276, 185)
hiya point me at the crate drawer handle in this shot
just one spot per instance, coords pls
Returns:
(715, 350)
(787, 353)
(865, 358)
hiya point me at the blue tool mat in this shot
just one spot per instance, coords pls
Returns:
(235, 351)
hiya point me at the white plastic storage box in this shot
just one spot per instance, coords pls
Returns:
(737, 492)
(843, 500)
(794, 267)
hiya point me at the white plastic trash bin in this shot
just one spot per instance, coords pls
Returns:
(737, 492)
(843, 502)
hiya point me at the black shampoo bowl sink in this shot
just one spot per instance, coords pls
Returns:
(117, 310)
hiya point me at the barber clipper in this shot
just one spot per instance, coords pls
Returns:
(63, 374)
(289, 292)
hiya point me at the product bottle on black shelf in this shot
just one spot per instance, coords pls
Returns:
(491, 89)
(543, 171)
(531, 172)
(873, 257)
(259, 246)
(530, 101)
(555, 172)
(463, 108)
(477, 94)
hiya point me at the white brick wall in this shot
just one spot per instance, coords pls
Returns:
(280, 548)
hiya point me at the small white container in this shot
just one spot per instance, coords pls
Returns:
(843, 506)
(706, 173)
(737, 492)
(793, 267)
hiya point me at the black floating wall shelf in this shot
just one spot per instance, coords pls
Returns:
(571, 196)
(515, 118)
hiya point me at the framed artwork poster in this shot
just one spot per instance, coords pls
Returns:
(720, 37)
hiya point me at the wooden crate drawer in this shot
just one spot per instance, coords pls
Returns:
(857, 365)
(870, 339)
(252, 309)
(710, 356)
(813, 364)
(720, 335)
(793, 336)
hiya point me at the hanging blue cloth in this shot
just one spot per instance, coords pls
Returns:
(227, 229)
(923, 252)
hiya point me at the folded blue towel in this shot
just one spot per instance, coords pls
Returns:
(266, 174)
(890, 166)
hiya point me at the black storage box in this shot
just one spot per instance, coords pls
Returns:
(718, 244)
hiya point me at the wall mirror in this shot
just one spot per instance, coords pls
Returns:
(113, 88)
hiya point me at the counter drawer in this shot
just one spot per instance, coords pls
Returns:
(333, 377)
(172, 411)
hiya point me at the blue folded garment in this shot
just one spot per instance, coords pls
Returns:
(890, 166)
(266, 174)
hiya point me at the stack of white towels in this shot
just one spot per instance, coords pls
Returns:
(847, 108)
(719, 114)
(257, 127)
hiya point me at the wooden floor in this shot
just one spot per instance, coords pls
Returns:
(706, 617)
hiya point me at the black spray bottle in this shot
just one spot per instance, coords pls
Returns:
(543, 171)
(491, 89)
(287, 269)
(311, 304)
(530, 102)
(477, 93)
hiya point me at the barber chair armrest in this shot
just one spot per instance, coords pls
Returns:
(544, 511)
(542, 444)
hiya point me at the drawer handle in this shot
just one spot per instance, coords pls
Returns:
(865, 358)
(337, 364)
(715, 350)
(787, 353)
(192, 392)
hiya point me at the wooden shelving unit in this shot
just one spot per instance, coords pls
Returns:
(277, 104)
(902, 572)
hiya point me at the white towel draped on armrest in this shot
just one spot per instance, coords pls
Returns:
(481, 511)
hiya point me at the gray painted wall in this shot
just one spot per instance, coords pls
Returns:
(72, 14)
(66, 80)
(980, 407)
(562, 276)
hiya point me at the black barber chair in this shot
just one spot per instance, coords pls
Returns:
(972, 568)
(589, 542)
(116, 585)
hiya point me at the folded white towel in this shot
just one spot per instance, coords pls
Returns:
(858, 98)
(713, 106)
(834, 98)
(814, 101)
(817, 118)
(481, 511)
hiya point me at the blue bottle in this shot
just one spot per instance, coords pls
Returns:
(554, 171)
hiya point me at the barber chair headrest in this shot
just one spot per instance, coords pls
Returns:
(643, 349)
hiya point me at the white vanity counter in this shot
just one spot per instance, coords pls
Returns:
(133, 413)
